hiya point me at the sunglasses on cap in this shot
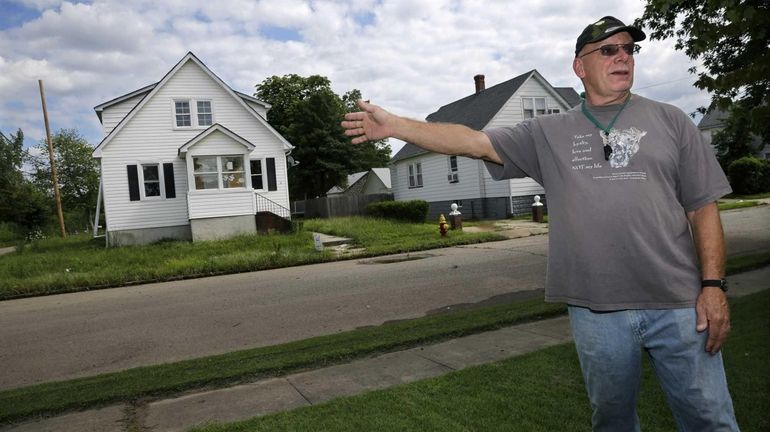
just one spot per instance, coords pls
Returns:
(612, 49)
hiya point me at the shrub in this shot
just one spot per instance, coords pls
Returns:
(749, 175)
(410, 211)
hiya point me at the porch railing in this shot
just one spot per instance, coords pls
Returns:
(264, 204)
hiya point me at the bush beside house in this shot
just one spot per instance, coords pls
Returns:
(410, 211)
(749, 175)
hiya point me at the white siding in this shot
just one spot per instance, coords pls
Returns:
(206, 204)
(258, 108)
(436, 186)
(511, 114)
(150, 136)
(112, 115)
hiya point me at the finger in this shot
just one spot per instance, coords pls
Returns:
(701, 319)
(355, 132)
(360, 139)
(355, 116)
(351, 124)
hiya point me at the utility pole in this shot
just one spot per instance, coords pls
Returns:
(54, 176)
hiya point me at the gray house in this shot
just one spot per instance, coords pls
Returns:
(442, 180)
(714, 121)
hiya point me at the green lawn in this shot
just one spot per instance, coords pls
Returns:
(541, 391)
(736, 205)
(79, 263)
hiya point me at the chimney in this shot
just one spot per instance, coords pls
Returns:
(479, 79)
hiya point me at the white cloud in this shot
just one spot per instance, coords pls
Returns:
(412, 58)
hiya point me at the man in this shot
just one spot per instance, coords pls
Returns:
(632, 193)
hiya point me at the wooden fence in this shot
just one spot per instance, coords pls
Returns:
(337, 205)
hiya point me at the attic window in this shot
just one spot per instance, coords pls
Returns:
(193, 114)
(204, 113)
(533, 106)
(182, 110)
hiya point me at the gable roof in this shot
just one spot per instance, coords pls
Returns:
(570, 95)
(189, 57)
(211, 129)
(713, 119)
(382, 173)
(478, 109)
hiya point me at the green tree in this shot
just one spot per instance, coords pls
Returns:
(307, 112)
(20, 202)
(77, 172)
(732, 39)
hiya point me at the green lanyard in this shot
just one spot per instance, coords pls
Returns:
(606, 130)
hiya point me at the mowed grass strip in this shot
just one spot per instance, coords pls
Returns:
(250, 364)
(541, 391)
(80, 263)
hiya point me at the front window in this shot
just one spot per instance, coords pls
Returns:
(257, 181)
(204, 113)
(182, 110)
(205, 172)
(233, 174)
(151, 179)
(415, 175)
(453, 176)
(219, 172)
(533, 106)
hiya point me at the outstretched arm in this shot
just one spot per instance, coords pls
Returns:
(374, 123)
(711, 307)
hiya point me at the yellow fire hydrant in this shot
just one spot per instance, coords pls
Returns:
(442, 225)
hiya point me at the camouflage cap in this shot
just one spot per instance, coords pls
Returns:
(605, 28)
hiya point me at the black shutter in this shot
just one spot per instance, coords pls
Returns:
(272, 185)
(133, 183)
(168, 180)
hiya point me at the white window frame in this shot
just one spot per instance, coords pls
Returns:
(554, 110)
(453, 176)
(221, 172)
(261, 174)
(161, 182)
(193, 104)
(414, 175)
(534, 106)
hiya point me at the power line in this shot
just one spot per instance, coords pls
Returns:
(664, 83)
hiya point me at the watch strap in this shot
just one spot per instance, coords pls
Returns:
(718, 283)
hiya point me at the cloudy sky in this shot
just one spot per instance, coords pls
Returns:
(409, 56)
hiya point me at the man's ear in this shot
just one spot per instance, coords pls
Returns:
(577, 66)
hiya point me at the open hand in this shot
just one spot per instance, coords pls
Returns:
(373, 123)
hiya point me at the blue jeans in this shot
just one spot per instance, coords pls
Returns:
(609, 346)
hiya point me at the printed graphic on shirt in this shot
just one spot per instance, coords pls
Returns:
(624, 145)
(581, 153)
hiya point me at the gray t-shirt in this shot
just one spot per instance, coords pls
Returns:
(619, 234)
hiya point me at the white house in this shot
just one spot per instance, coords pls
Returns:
(189, 158)
(442, 180)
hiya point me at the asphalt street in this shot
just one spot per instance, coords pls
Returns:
(80, 334)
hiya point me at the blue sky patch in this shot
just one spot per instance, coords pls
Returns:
(281, 33)
(364, 18)
(14, 15)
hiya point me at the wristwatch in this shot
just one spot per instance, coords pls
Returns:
(719, 283)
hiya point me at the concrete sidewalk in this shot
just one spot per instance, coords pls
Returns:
(318, 386)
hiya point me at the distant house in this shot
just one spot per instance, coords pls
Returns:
(189, 158)
(374, 181)
(442, 180)
(715, 120)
